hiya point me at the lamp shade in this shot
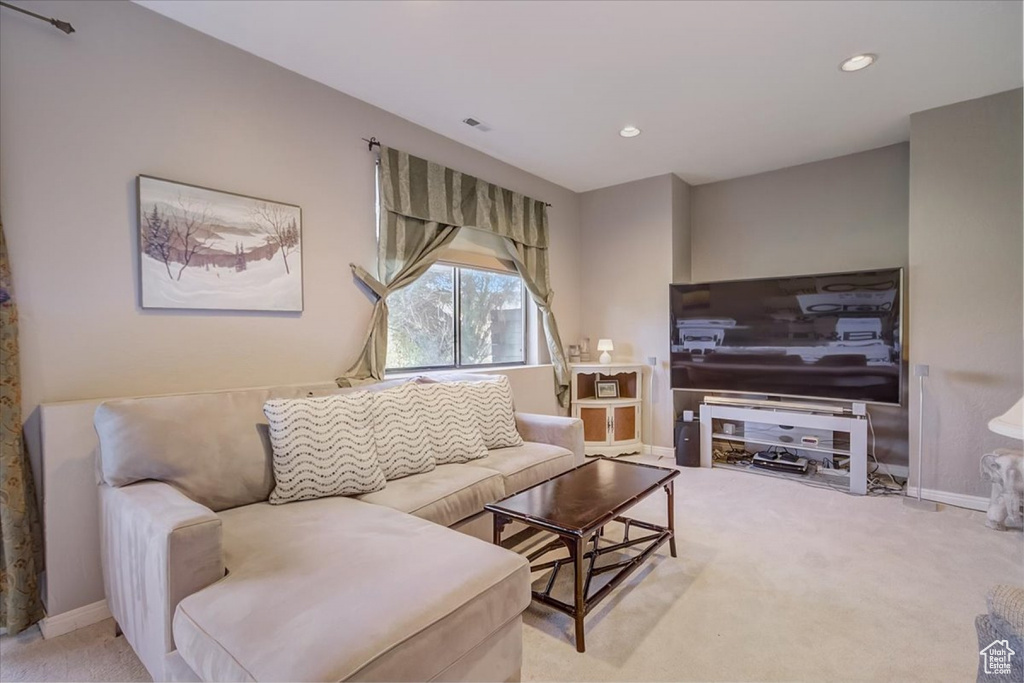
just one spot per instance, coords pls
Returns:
(605, 345)
(1010, 423)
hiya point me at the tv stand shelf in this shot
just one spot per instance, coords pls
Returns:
(854, 425)
(721, 436)
(836, 482)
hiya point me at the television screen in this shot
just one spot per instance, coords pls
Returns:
(834, 336)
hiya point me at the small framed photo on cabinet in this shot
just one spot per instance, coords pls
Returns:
(607, 388)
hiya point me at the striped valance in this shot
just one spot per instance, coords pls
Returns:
(421, 189)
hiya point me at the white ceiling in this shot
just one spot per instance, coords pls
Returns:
(720, 89)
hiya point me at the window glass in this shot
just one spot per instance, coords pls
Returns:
(421, 321)
(457, 316)
(491, 317)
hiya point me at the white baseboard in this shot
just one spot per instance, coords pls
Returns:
(901, 471)
(959, 500)
(66, 622)
(660, 451)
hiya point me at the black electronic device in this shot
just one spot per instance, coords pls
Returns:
(833, 336)
(687, 438)
(780, 462)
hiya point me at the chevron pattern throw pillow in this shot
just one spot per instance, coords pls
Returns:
(450, 421)
(400, 428)
(323, 447)
(495, 413)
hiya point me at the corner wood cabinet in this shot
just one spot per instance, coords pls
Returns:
(611, 426)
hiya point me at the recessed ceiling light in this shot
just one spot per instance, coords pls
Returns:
(858, 62)
(629, 132)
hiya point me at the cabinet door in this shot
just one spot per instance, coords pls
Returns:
(625, 424)
(595, 424)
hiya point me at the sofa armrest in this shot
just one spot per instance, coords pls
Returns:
(158, 546)
(566, 432)
(1007, 603)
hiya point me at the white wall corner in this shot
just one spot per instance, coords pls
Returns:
(659, 451)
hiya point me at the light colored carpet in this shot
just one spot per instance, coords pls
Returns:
(774, 581)
(88, 654)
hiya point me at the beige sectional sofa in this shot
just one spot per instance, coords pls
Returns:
(208, 581)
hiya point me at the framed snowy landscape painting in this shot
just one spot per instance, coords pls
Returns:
(205, 249)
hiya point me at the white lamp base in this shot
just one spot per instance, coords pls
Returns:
(606, 358)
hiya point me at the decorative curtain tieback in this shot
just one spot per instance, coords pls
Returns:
(370, 281)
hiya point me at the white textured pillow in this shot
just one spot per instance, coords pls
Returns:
(401, 433)
(450, 420)
(323, 447)
(495, 413)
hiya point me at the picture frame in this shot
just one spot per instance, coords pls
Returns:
(606, 388)
(206, 249)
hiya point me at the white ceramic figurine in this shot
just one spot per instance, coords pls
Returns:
(1005, 469)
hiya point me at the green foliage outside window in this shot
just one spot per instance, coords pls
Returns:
(489, 307)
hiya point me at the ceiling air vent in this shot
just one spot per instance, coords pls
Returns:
(476, 123)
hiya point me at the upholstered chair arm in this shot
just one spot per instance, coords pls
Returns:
(1007, 603)
(566, 432)
(159, 547)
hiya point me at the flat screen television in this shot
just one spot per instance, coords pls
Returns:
(833, 336)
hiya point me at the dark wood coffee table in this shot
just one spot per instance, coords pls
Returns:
(575, 506)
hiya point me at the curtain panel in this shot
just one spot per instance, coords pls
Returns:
(418, 188)
(21, 552)
(406, 248)
(423, 205)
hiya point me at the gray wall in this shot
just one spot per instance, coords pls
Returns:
(965, 275)
(134, 92)
(682, 237)
(847, 213)
(626, 249)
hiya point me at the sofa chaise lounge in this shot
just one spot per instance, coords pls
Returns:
(208, 581)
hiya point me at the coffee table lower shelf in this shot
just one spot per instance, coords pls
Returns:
(623, 568)
(585, 547)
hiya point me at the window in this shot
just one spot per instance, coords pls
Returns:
(456, 316)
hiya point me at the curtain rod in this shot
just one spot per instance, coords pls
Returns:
(62, 25)
(374, 142)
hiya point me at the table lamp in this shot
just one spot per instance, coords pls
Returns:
(605, 345)
(1010, 423)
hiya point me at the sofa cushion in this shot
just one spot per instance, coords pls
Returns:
(323, 446)
(526, 465)
(495, 413)
(445, 495)
(401, 434)
(449, 420)
(212, 446)
(335, 589)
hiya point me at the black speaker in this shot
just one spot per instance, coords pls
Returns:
(687, 443)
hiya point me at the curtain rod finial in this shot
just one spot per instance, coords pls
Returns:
(63, 26)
